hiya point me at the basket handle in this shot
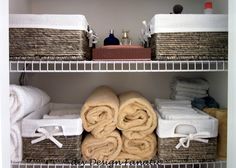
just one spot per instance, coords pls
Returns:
(184, 140)
(45, 134)
(185, 129)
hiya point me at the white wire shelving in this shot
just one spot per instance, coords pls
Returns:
(118, 66)
(217, 164)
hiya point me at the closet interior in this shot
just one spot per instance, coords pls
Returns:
(72, 82)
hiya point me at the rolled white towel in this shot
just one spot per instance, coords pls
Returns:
(23, 100)
(192, 83)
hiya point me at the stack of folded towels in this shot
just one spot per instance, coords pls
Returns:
(189, 88)
(177, 110)
(131, 113)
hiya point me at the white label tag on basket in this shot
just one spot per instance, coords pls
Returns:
(185, 140)
(45, 134)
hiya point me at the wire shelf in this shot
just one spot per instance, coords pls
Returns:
(217, 164)
(118, 66)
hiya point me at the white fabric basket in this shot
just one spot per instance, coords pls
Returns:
(167, 23)
(69, 127)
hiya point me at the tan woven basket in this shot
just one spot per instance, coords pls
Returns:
(197, 151)
(33, 44)
(190, 46)
(47, 152)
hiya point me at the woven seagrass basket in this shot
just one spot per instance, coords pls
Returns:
(47, 152)
(34, 44)
(189, 46)
(197, 151)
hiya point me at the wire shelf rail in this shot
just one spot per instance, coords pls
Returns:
(118, 66)
(216, 164)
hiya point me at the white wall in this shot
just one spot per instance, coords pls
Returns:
(117, 14)
(218, 87)
(76, 87)
(220, 6)
(20, 6)
(4, 69)
(232, 86)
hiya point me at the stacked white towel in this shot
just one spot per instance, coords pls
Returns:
(171, 104)
(177, 110)
(23, 101)
(66, 113)
(189, 88)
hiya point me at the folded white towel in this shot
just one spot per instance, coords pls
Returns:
(166, 113)
(186, 117)
(182, 114)
(189, 94)
(23, 100)
(65, 111)
(177, 111)
(73, 116)
(183, 89)
(172, 104)
(193, 83)
(180, 97)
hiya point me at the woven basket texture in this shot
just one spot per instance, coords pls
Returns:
(47, 152)
(33, 44)
(197, 151)
(189, 46)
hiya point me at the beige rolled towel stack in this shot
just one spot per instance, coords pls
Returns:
(137, 120)
(99, 115)
(131, 113)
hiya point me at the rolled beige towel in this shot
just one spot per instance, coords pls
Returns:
(136, 117)
(99, 112)
(138, 149)
(104, 149)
